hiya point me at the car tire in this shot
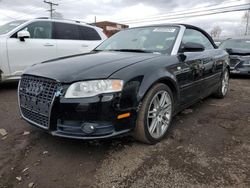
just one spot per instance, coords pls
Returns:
(222, 90)
(155, 114)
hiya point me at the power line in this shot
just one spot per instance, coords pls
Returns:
(186, 11)
(181, 14)
(51, 7)
(190, 14)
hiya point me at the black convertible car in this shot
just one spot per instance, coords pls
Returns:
(239, 51)
(133, 83)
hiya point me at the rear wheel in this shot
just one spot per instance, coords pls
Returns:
(223, 88)
(155, 114)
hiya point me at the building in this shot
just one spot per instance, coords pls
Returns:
(110, 28)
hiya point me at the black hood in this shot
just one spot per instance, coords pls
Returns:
(96, 65)
(238, 51)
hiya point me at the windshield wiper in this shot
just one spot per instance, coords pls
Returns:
(131, 50)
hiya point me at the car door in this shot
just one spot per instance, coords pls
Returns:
(89, 37)
(211, 65)
(68, 38)
(193, 67)
(189, 75)
(38, 48)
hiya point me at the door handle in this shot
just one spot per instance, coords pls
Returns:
(85, 45)
(48, 44)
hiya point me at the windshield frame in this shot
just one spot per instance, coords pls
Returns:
(11, 28)
(169, 52)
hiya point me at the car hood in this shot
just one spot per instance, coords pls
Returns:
(238, 51)
(95, 65)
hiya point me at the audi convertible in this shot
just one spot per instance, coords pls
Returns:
(131, 84)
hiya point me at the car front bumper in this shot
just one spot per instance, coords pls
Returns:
(89, 118)
(42, 104)
(240, 70)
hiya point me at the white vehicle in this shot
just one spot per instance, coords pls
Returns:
(24, 43)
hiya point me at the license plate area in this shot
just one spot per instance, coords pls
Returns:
(35, 104)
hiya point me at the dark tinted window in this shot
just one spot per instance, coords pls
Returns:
(66, 31)
(87, 33)
(192, 35)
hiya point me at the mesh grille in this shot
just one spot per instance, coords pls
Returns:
(36, 96)
(35, 117)
(234, 62)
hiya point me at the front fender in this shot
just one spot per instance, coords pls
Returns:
(140, 77)
(160, 76)
(136, 88)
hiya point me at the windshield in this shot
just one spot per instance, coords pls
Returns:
(236, 43)
(10, 26)
(148, 40)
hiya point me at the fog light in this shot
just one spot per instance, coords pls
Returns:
(88, 128)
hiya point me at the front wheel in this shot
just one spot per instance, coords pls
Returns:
(223, 88)
(155, 114)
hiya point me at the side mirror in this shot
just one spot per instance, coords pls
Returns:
(22, 35)
(192, 47)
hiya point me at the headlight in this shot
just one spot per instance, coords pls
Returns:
(93, 88)
(246, 63)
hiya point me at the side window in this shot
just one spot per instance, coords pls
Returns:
(192, 35)
(65, 31)
(88, 33)
(38, 30)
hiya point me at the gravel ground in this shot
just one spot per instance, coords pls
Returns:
(208, 145)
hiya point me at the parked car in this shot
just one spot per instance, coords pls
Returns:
(239, 51)
(133, 83)
(24, 43)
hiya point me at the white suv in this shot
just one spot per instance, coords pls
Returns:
(24, 43)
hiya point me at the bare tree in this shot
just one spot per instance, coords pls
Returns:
(216, 31)
(245, 22)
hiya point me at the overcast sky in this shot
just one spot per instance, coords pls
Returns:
(128, 11)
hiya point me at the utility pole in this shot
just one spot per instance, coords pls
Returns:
(247, 19)
(51, 7)
(247, 15)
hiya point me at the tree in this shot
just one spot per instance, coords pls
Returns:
(245, 22)
(216, 31)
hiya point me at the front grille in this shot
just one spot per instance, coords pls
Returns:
(41, 120)
(36, 96)
(234, 62)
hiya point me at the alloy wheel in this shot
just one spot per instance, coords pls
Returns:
(225, 83)
(159, 114)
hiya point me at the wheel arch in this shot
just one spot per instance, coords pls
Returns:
(172, 85)
(170, 81)
(228, 68)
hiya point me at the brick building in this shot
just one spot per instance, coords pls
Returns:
(110, 28)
